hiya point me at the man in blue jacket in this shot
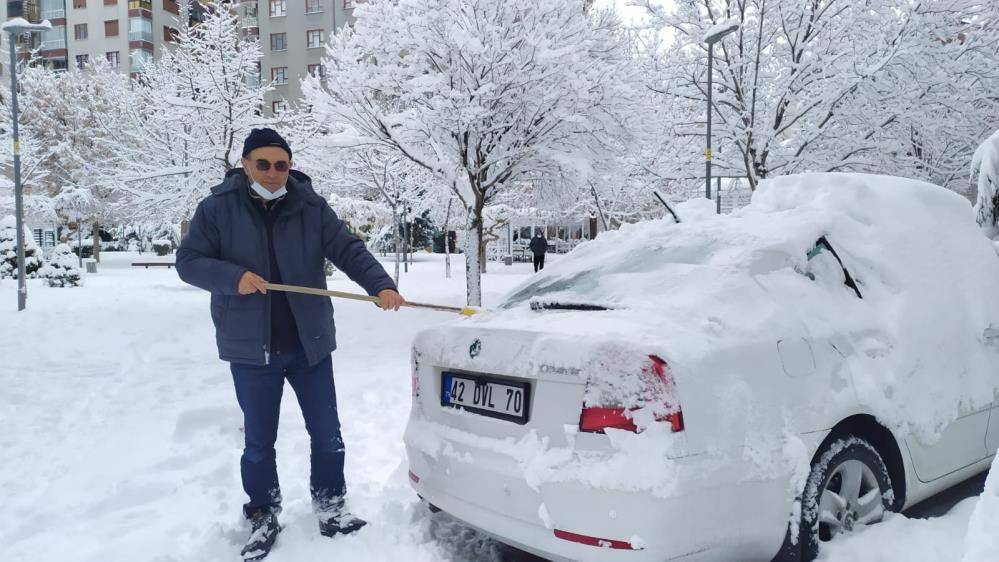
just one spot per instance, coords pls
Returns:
(264, 223)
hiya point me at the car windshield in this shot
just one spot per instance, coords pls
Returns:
(598, 280)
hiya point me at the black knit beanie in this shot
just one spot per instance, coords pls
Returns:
(264, 137)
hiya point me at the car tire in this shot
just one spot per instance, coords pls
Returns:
(849, 485)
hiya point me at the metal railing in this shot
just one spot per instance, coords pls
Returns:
(53, 14)
(146, 36)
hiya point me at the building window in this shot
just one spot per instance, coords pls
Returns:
(80, 31)
(140, 29)
(317, 70)
(170, 34)
(313, 6)
(113, 58)
(110, 2)
(50, 9)
(82, 60)
(139, 58)
(278, 107)
(277, 8)
(82, 4)
(54, 38)
(279, 41)
(140, 4)
(314, 38)
(279, 75)
(111, 28)
(171, 6)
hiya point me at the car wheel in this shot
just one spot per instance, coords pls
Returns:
(848, 487)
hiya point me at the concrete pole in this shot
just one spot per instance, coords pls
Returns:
(707, 150)
(22, 286)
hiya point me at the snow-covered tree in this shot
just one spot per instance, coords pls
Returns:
(480, 93)
(8, 251)
(180, 126)
(61, 269)
(62, 116)
(37, 153)
(829, 85)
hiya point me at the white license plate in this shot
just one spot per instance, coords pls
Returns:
(489, 397)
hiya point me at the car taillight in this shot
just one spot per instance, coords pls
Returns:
(597, 418)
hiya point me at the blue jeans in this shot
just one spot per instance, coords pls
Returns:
(258, 390)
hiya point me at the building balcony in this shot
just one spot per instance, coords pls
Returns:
(52, 45)
(146, 36)
(140, 4)
(53, 14)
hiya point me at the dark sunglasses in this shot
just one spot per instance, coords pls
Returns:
(279, 166)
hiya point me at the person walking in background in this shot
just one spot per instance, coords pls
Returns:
(265, 224)
(539, 247)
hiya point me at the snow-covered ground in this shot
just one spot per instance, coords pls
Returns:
(121, 435)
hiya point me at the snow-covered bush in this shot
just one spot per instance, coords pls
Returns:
(383, 241)
(985, 165)
(162, 247)
(62, 269)
(8, 251)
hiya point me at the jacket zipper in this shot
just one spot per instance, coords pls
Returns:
(266, 347)
(267, 300)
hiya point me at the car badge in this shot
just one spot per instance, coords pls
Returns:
(475, 348)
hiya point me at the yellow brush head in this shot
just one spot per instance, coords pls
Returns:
(469, 311)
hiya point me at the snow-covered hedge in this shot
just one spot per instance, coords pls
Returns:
(8, 251)
(62, 269)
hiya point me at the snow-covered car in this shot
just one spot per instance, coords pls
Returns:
(727, 388)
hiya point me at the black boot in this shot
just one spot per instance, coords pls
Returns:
(341, 522)
(264, 529)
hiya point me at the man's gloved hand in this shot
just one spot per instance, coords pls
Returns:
(251, 283)
(390, 300)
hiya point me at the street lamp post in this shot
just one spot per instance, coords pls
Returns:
(713, 35)
(15, 27)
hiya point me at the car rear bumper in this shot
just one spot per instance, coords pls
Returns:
(713, 512)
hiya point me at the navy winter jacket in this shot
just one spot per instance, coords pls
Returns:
(228, 237)
(539, 246)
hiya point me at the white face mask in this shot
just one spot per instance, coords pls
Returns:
(265, 193)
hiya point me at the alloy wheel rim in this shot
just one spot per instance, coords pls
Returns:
(850, 497)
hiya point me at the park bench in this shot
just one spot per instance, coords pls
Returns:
(148, 264)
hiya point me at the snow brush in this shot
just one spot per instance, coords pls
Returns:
(464, 311)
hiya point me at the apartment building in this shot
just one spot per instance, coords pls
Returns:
(293, 36)
(126, 33)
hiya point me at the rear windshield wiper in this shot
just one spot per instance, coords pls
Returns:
(536, 305)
